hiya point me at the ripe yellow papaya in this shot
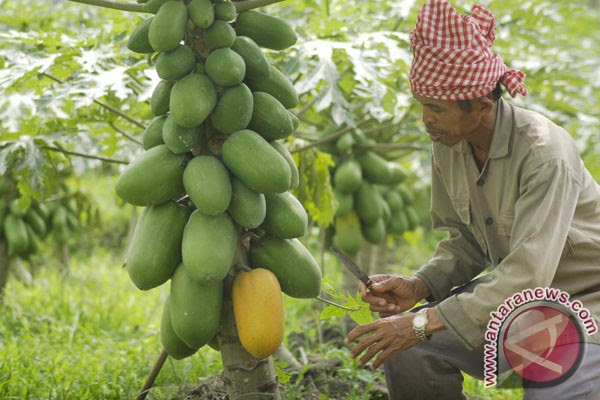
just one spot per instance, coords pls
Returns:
(258, 311)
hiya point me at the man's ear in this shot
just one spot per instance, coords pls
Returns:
(486, 104)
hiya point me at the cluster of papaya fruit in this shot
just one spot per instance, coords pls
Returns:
(23, 229)
(372, 202)
(213, 173)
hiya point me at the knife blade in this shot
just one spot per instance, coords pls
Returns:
(352, 266)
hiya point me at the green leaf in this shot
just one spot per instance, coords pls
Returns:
(332, 311)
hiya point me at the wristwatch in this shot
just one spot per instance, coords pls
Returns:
(419, 324)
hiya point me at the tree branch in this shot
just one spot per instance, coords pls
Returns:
(128, 136)
(74, 153)
(391, 146)
(249, 4)
(116, 5)
(103, 104)
(328, 138)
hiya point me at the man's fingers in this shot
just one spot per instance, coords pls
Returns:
(388, 309)
(374, 349)
(359, 331)
(362, 288)
(363, 344)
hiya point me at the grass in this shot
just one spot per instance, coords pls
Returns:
(92, 335)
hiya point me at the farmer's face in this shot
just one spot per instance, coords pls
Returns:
(447, 123)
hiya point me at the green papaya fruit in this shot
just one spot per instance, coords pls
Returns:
(59, 217)
(386, 213)
(199, 68)
(290, 160)
(375, 168)
(174, 64)
(207, 182)
(348, 236)
(247, 208)
(256, 163)
(398, 222)
(286, 218)
(345, 202)
(412, 217)
(345, 142)
(293, 265)
(347, 177)
(152, 135)
(374, 232)
(220, 34)
(394, 200)
(159, 102)
(270, 119)
(32, 240)
(367, 203)
(72, 221)
(15, 208)
(152, 6)
(195, 308)
(201, 13)
(179, 139)
(43, 211)
(3, 212)
(33, 218)
(208, 246)
(407, 196)
(138, 41)
(267, 31)
(192, 100)
(168, 27)
(153, 178)
(257, 65)
(15, 232)
(277, 85)
(233, 110)
(294, 119)
(398, 174)
(225, 67)
(155, 248)
(174, 346)
(225, 11)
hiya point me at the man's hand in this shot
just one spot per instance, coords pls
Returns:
(389, 335)
(393, 294)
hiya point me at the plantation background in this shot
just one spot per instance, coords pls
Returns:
(85, 331)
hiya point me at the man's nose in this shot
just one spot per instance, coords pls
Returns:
(427, 118)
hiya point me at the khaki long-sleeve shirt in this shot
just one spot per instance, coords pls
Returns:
(532, 214)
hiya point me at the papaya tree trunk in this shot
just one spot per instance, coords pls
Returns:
(245, 377)
(3, 266)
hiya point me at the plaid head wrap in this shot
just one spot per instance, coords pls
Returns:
(452, 53)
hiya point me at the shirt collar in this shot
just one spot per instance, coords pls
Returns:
(502, 130)
(500, 136)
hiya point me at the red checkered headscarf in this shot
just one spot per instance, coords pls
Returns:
(453, 59)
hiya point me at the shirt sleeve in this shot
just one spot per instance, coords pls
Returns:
(543, 215)
(457, 259)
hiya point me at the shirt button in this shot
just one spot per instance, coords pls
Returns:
(480, 182)
(489, 221)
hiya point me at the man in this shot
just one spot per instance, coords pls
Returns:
(510, 188)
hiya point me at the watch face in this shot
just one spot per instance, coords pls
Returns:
(419, 321)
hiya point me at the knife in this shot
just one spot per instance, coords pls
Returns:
(351, 265)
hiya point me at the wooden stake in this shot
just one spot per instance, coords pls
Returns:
(153, 374)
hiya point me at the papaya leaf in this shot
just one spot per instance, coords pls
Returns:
(315, 191)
